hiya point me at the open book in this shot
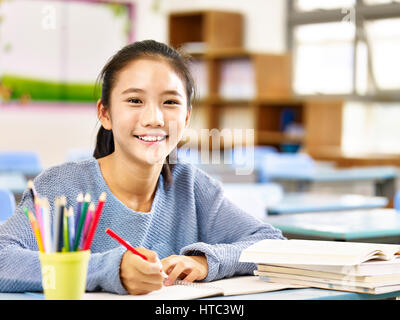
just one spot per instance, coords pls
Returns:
(186, 291)
(313, 252)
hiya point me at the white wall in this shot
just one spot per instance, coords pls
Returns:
(265, 20)
(52, 131)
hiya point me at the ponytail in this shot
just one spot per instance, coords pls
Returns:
(104, 143)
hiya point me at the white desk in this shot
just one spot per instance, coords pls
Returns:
(313, 202)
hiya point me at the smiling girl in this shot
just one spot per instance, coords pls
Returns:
(175, 212)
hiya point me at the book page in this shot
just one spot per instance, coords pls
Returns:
(180, 291)
(174, 292)
(247, 285)
(272, 251)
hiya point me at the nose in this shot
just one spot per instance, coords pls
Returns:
(152, 116)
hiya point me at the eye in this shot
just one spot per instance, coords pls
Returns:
(171, 102)
(134, 101)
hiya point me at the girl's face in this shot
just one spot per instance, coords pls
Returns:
(148, 110)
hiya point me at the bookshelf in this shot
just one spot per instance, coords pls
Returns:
(241, 89)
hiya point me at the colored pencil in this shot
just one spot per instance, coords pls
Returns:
(127, 245)
(35, 228)
(57, 225)
(36, 205)
(46, 225)
(65, 230)
(39, 218)
(71, 225)
(79, 201)
(95, 221)
(82, 218)
(88, 220)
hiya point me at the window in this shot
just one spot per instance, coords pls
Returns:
(324, 58)
(350, 49)
(345, 47)
(309, 5)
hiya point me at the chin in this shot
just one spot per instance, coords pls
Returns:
(153, 157)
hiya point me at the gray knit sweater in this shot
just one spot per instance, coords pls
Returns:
(192, 216)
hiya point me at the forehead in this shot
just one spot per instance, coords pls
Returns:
(149, 74)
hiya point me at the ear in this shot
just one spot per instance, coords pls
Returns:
(188, 114)
(103, 115)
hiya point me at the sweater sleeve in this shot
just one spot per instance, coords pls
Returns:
(225, 230)
(20, 265)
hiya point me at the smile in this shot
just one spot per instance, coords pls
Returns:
(151, 138)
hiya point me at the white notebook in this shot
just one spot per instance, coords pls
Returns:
(187, 291)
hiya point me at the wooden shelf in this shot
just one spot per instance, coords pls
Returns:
(269, 97)
(274, 137)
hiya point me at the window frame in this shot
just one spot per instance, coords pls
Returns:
(361, 13)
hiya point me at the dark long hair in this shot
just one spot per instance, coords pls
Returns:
(108, 76)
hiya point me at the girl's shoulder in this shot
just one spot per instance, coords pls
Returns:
(67, 175)
(65, 169)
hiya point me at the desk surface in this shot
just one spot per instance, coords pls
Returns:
(335, 174)
(304, 202)
(287, 294)
(345, 225)
(308, 294)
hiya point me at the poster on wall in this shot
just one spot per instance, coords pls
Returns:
(53, 50)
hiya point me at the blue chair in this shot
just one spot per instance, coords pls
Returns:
(25, 162)
(7, 204)
(286, 165)
(246, 157)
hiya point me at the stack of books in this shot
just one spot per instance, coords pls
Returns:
(348, 266)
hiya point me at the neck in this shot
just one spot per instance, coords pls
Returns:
(132, 183)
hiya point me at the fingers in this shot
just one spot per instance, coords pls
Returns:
(138, 275)
(149, 267)
(181, 267)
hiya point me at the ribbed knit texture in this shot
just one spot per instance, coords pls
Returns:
(192, 216)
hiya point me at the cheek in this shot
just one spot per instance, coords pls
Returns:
(176, 124)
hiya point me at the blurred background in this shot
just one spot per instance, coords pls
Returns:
(318, 81)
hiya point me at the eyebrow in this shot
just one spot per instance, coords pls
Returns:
(137, 90)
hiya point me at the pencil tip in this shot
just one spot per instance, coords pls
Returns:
(80, 197)
(103, 196)
(30, 184)
(87, 197)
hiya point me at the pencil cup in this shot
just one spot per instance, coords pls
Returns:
(64, 274)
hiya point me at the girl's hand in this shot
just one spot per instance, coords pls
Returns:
(188, 268)
(139, 276)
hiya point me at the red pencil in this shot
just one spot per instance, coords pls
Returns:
(124, 243)
(127, 245)
(95, 221)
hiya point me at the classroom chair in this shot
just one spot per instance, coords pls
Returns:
(243, 157)
(396, 201)
(25, 162)
(7, 204)
(254, 198)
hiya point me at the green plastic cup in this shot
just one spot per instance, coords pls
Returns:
(64, 274)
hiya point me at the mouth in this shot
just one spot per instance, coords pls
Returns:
(148, 139)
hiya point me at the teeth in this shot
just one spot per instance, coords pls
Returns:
(151, 138)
